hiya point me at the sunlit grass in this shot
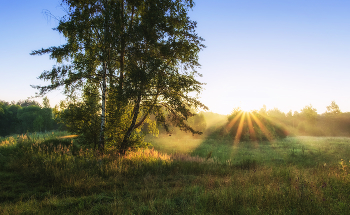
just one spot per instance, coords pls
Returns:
(301, 175)
(68, 136)
(171, 144)
(307, 151)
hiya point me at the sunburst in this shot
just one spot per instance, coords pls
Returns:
(250, 117)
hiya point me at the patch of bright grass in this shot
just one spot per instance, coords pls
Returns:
(291, 176)
(302, 151)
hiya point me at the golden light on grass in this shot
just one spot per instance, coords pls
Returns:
(68, 136)
(142, 154)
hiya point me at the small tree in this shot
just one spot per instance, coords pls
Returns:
(277, 114)
(309, 114)
(333, 109)
(46, 102)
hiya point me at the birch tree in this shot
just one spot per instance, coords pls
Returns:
(142, 53)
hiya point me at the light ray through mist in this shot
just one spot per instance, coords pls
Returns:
(263, 128)
(277, 122)
(233, 121)
(240, 129)
(251, 130)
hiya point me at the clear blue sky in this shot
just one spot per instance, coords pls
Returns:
(282, 53)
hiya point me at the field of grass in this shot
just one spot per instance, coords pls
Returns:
(43, 174)
(304, 152)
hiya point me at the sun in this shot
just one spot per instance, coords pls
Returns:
(243, 118)
(246, 109)
(247, 106)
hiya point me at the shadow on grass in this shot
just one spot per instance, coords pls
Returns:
(55, 167)
(145, 182)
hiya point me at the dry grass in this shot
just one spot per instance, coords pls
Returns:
(68, 136)
(54, 176)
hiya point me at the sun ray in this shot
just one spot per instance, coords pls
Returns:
(278, 123)
(240, 129)
(251, 130)
(262, 127)
(233, 121)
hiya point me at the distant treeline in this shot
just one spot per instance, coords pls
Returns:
(30, 116)
(25, 116)
(268, 124)
(307, 122)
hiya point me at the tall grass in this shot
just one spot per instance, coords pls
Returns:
(57, 176)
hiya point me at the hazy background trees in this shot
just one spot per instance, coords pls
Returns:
(278, 124)
(82, 117)
(26, 116)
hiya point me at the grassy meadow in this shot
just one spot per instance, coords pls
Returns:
(47, 174)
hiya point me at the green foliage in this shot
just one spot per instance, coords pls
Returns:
(143, 54)
(23, 116)
(46, 102)
(9, 122)
(248, 164)
(309, 114)
(277, 123)
(333, 109)
(27, 103)
(276, 114)
(28, 115)
(34, 118)
(197, 122)
(82, 118)
(308, 122)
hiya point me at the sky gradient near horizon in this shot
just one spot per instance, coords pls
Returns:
(284, 54)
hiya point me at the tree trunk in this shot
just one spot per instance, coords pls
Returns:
(101, 144)
(124, 146)
(147, 114)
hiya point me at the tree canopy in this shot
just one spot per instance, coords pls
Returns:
(142, 54)
(25, 116)
(333, 109)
